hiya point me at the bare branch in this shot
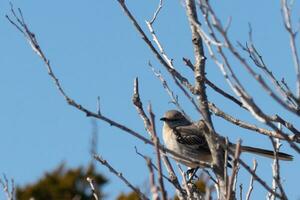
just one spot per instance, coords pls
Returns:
(9, 192)
(251, 181)
(173, 178)
(120, 175)
(188, 63)
(158, 157)
(286, 15)
(246, 99)
(223, 93)
(210, 176)
(246, 125)
(197, 27)
(288, 125)
(199, 73)
(91, 182)
(226, 156)
(98, 106)
(160, 5)
(259, 62)
(241, 191)
(164, 83)
(150, 127)
(152, 164)
(213, 86)
(154, 189)
(139, 106)
(169, 68)
(256, 177)
(276, 169)
(249, 102)
(159, 45)
(185, 184)
(230, 189)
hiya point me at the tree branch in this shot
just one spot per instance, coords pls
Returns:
(120, 175)
(199, 73)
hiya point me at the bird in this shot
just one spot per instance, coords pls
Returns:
(188, 140)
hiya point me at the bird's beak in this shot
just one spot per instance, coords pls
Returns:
(163, 119)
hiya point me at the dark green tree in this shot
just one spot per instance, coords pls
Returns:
(64, 184)
(129, 196)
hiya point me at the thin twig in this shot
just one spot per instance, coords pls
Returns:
(154, 189)
(218, 112)
(185, 184)
(150, 127)
(158, 157)
(226, 156)
(276, 169)
(164, 83)
(120, 175)
(256, 177)
(10, 193)
(259, 62)
(213, 86)
(159, 45)
(223, 93)
(289, 126)
(230, 189)
(251, 181)
(286, 15)
(152, 164)
(210, 176)
(139, 106)
(91, 182)
(160, 5)
(98, 106)
(172, 177)
(241, 191)
(168, 67)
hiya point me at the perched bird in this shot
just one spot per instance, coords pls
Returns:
(187, 139)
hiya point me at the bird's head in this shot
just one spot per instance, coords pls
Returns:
(174, 118)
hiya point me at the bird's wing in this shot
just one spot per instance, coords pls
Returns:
(191, 135)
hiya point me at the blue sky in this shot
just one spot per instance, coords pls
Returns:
(95, 51)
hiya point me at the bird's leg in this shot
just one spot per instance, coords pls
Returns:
(191, 173)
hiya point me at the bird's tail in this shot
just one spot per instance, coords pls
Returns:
(267, 153)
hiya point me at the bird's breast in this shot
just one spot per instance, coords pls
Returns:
(170, 139)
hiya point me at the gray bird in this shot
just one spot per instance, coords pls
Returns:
(187, 139)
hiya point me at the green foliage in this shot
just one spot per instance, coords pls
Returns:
(63, 184)
(130, 196)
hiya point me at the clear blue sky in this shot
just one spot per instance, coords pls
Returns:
(95, 51)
